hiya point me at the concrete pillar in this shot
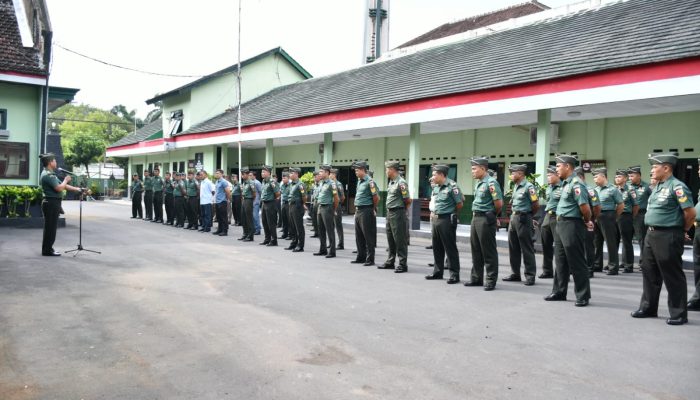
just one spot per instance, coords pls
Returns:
(544, 122)
(412, 171)
(270, 153)
(327, 148)
(224, 158)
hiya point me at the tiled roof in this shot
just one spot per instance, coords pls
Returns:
(479, 21)
(13, 56)
(140, 134)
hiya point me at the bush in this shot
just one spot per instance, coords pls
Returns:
(11, 196)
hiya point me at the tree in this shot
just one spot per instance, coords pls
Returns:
(155, 113)
(84, 149)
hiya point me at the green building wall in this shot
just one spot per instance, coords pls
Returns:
(23, 105)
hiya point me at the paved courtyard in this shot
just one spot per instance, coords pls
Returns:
(165, 313)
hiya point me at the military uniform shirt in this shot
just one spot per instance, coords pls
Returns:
(486, 192)
(314, 192)
(553, 194)
(609, 197)
(296, 192)
(157, 184)
(248, 189)
(168, 186)
(137, 186)
(284, 189)
(326, 192)
(192, 190)
(629, 197)
(366, 191)
(643, 191)
(48, 182)
(396, 193)
(593, 199)
(341, 191)
(573, 195)
(148, 183)
(447, 196)
(235, 189)
(697, 211)
(666, 203)
(524, 194)
(269, 188)
(178, 187)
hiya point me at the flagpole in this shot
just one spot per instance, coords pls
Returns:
(239, 91)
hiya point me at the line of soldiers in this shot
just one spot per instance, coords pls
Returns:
(578, 221)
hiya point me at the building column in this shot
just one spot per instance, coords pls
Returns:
(327, 148)
(270, 153)
(224, 158)
(412, 173)
(544, 122)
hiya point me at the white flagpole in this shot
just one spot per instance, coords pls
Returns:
(239, 91)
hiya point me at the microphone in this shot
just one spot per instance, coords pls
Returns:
(65, 171)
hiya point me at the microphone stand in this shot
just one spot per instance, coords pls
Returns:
(80, 247)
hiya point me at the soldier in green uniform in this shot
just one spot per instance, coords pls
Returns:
(270, 194)
(148, 194)
(179, 193)
(525, 204)
(169, 201)
(448, 203)
(136, 195)
(51, 204)
(284, 200)
(594, 204)
(313, 204)
(625, 222)
(192, 202)
(397, 202)
(694, 302)
(339, 211)
(643, 192)
(573, 218)
(297, 196)
(487, 204)
(548, 229)
(670, 214)
(158, 184)
(605, 225)
(366, 200)
(248, 193)
(326, 204)
(236, 201)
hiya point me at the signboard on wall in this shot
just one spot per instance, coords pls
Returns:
(590, 165)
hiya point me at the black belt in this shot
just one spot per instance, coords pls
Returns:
(665, 228)
(607, 211)
(149, 190)
(560, 218)
(268, 201)
(480, 213)
(522, 212)
(325, 205)
(364, 207)
(53, 198)
(443, 216)
(397, 208)
(157, 191)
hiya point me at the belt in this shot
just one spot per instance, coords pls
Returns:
(642, 211)
(364, 207)
(325, 205)
(53, 198)
(443, 216)
(397, 208)
(522, 212)
(607, 211)
(665, 228)
(157, 191)
(550, 212)
(560, 218)
(268, 201)
(149, 190)
(480, 213)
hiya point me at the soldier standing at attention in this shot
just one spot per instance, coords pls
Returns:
(448, 203)
(643, 192)
(179, 192)
(625, 222)
(270, 194)
(573, 217)
(136, 194)
(51, 204)
(594, 204)
(236, 199)
(192, 202)
(297, 196)
(148, 194)
(157, 196)
(525, 204)
(694, 303)
(397, 202)
(339, 211)
(327, 202)
(366, 200)
(248, 194)
(169, 201)
(487, 204)
(549, 224)
(605, 227)
(222, 195)
(670, 214)
(284, 204)
(314, 204)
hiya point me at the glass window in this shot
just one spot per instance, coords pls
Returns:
(14, 160)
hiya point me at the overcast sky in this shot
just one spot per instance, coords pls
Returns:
(200, 37)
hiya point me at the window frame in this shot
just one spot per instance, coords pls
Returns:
(26, 147)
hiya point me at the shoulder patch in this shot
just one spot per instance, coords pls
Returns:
(679, 191)
(577, 190)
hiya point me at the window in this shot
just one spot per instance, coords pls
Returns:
(175, 123)
(182, 167)
(3, 119)
(14, 160)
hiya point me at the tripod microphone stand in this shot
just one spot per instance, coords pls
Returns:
(80, 247)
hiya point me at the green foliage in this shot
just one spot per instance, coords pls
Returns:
(11, 196)
(84, 149)
(95, 189)
(308, 180)
(123, 184)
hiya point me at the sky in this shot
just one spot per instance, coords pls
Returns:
(200, 37)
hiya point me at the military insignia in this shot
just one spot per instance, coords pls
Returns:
(402, 187)
(455, 190)
(272, 184)
(577, 190)
(679, 191)
(683, 199)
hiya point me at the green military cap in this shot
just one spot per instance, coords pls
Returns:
(621, 172)
(334, 171)
(517, 167)
(315, 172)
(267, 168)
(492, 173)
(285, 173)
(441, 168)
(392, 164)
(551, 169)
(636, 169)
(479, 161)
(600, 171)
(245, 170)
(360, 164)
(663, 158)
(294, 170)
(47, 156)
(578, 171)
(326, 167)
(567, 159)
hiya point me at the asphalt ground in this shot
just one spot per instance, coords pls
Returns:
(165, 313)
